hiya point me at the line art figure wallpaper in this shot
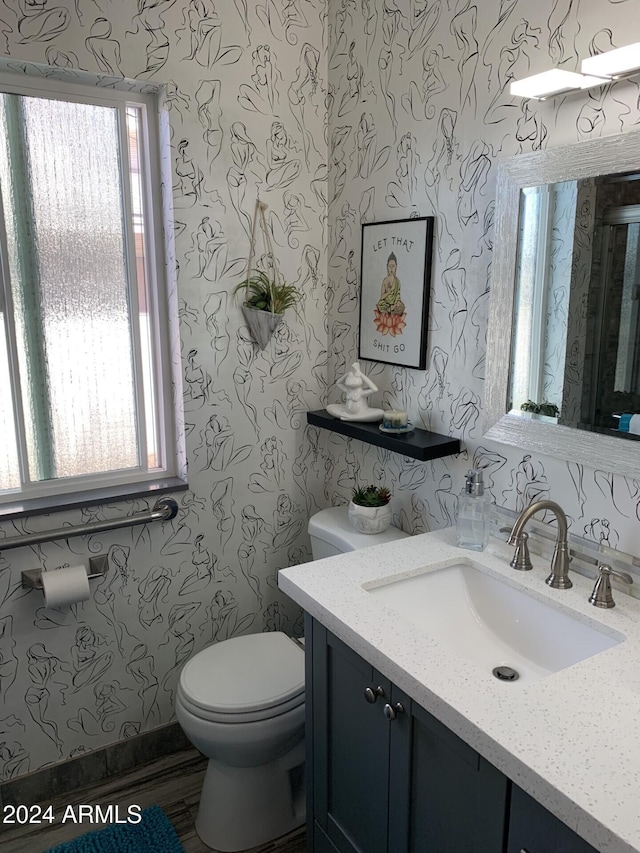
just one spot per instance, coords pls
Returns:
(336, 114)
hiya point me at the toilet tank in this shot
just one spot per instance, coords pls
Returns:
(332, 534)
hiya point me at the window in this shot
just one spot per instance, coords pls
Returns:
(82, 312)
(545, 252)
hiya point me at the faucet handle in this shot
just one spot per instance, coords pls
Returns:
(521, 559)
(602, 595)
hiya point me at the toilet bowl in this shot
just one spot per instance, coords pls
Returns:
(240, 702)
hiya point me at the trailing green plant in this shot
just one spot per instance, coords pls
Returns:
(549, 409)
(265, 294)
(370, 495)
(544, 408)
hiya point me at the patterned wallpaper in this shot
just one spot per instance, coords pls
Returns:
(419, 116)
(245, 91)
(336, 114)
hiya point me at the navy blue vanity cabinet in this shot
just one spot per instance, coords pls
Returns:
(532, 829)
(383, 774)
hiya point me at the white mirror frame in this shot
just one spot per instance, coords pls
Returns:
(610, 155)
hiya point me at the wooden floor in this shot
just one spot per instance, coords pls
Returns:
(172, 782)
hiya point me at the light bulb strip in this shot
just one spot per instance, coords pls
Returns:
(614, 64)
(595, 71)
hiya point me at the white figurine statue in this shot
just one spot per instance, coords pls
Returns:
(357, 388)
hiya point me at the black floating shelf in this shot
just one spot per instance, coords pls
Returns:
(418, 444)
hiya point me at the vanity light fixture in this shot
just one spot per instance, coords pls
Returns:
(554, 82)
(613, 64)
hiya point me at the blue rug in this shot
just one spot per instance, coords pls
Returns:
(154, 834)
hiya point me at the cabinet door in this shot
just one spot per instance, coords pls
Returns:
(454, 801)
(533, 829)
(350, 748)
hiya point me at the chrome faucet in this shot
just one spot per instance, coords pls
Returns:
(559, 577)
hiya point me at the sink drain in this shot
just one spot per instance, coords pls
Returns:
(506, 673)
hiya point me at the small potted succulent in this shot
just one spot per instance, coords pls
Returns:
(369, 509)
(265, 302)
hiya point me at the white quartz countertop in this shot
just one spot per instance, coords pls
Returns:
(571, 739)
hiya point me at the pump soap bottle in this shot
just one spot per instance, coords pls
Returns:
(472, 528)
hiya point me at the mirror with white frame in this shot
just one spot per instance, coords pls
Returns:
(563, 344)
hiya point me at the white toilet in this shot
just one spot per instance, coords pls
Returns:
(241, 703)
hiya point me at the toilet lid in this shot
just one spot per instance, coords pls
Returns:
(243, 674)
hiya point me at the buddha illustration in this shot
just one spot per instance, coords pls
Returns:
(390, 314)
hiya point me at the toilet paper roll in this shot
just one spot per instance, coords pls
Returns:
(65, 586)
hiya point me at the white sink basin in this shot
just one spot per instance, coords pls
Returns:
(490, 622)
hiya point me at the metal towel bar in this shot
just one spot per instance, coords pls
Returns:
(164, 510)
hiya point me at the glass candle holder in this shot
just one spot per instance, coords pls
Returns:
(395, 419)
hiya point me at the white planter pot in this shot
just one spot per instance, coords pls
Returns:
(369, 519)
(262, 324)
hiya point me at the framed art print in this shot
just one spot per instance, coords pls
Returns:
(395, 278)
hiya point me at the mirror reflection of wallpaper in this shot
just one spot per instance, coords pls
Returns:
(579, 364)
(245, 95)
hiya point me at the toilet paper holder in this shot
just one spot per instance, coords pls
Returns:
(32, 578)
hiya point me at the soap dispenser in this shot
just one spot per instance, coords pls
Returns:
(472, 528)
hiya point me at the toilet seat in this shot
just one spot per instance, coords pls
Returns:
(239, 717)
(262, 674)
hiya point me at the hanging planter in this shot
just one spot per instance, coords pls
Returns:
(266, 300)
(262, 324)
(265, 304)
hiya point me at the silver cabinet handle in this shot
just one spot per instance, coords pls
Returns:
(371, 695)
(392, 711)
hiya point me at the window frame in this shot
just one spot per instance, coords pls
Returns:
(163, 413)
